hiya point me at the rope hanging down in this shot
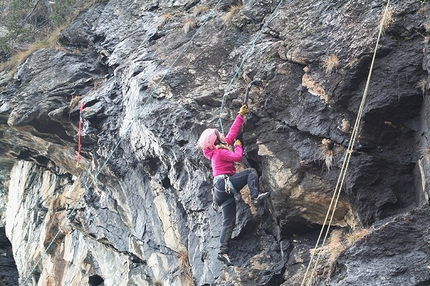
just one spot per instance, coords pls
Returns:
(345, 164)
(119, 142)
(243, 62)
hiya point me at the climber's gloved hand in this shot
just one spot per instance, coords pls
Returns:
(237, 142)
(243, 110)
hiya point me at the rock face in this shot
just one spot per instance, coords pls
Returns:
(8, 273)
(152, 75)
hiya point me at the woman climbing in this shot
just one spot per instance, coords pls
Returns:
(227, 182)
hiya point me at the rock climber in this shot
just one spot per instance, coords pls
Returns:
(227, 182)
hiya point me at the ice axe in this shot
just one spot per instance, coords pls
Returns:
(245, 102)
(255, 81)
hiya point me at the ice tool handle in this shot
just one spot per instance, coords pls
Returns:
(255, 81)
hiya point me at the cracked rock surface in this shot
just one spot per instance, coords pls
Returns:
(152, 75)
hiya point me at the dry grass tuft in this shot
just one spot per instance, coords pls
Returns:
(74, 102)
(166, 18)
(50, 42)
(188, 280)
(183, 259)
(422, 85)
(188, 25)
(98, 83)
(424, 152)
(331, 63)
(423, 11)
(335, 245)
(345, 126)
(352, 237)
(47, 36)
(200, 9)
(326, 154)
(231, 12)
(387, 20)
(185, 269)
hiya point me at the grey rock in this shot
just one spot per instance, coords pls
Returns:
(137, 209)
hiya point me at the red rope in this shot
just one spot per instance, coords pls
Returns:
(79, 132)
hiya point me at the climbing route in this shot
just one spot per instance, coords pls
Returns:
(127, 131)
(248, 53)
(256, 81)
(274, 110)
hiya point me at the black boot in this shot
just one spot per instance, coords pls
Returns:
(260, 198)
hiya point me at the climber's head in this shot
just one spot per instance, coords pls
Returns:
(210, 138)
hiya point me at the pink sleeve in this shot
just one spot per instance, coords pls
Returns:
(228, 156)
(234, 129)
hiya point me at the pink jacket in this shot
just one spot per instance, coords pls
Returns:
(222, 159)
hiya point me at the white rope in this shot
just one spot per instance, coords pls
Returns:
(345, 163)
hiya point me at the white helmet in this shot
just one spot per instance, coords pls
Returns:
(208, 138)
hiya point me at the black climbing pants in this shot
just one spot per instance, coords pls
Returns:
(239, 180)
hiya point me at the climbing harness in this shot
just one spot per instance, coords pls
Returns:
(81, 109)
(127, 131)
(228, 188)
(344, 167)
(243, 62)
